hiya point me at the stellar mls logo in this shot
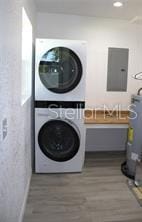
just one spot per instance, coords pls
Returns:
(58, 111)
(92, 113)
(115, 111)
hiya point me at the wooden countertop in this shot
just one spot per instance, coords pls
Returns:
(106, 117)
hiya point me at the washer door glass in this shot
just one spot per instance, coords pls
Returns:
(58, 140)
(60, 70)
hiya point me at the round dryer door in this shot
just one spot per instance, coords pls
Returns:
(60, 70)
(58, 140)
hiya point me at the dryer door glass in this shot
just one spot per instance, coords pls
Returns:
(60, 70)
(58, 140)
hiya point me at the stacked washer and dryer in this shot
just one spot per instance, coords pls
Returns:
(59, 105)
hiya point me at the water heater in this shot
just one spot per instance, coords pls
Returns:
(134, 143)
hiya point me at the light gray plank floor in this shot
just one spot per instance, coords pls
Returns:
(98, 194)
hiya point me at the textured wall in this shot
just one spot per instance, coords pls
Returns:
(100, 34)
(15, 150)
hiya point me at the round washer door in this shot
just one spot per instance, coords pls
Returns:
(58, 140)
(60, 70)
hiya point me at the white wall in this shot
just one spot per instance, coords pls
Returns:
(100, 34)
(15, 150)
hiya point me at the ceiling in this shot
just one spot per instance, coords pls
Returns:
(98, 8)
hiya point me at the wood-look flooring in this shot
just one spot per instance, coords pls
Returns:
(99, 194)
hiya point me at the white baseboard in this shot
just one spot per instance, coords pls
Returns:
(25, 201)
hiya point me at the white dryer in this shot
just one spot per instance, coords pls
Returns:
(60, 70)
(59, 137)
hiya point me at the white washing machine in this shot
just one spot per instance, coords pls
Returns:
(60, 70)
(59, 137)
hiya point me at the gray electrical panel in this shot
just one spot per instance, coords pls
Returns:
(117, 69)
